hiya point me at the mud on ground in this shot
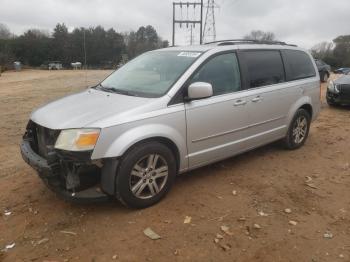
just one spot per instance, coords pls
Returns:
(312, 182)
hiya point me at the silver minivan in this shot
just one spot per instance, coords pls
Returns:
(170, 111)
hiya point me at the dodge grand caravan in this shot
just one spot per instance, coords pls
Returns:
(170, 111)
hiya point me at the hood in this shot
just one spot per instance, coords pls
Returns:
(87, 108)
(343, 80)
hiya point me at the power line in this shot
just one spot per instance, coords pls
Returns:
(188, 21)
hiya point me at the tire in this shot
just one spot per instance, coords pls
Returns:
(145, 175)
(290, 141)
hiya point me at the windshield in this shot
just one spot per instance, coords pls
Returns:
(151, 74)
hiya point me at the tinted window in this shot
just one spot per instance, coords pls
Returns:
(298, 65)
(263, 67)
(222, 72)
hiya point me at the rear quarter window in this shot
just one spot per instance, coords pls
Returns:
(298, 65)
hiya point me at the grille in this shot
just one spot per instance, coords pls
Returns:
(345, 91)
(42, 139)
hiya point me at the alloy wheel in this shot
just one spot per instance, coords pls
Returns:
(300, 129)
(148, 176)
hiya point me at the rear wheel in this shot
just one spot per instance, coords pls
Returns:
(145, 175)
(298, 130)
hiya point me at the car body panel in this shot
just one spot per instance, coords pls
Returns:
(342, 70)
(214, 128)
(170, 124)
(90, 108)
(343, 80)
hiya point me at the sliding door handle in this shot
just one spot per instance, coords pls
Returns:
(256, 99)
(240, 103)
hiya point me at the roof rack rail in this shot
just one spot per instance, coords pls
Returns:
(246, 41)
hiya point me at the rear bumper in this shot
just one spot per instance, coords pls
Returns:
(49, 173)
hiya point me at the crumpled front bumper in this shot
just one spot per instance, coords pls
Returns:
(48, 173)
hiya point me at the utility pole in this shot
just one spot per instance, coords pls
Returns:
(209, 25)
(190, 39)
(201, 28)
(191, 36)
(84, 46)
(188, 21)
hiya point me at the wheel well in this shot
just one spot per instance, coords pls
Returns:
(308, 108)
(167, 142)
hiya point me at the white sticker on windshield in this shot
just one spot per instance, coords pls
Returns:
(189, 54)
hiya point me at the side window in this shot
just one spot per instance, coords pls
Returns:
(298, 65)
(222, 72)
(263, 67)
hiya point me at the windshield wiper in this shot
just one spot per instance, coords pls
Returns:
(114, 90)
(122, 92)
(101, 87)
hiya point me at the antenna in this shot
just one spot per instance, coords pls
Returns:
(209, 32)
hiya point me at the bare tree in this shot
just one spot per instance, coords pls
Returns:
(260, 36)
(4, 32)
(322, 50)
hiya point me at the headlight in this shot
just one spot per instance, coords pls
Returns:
(77, 139)
(331, 87)
(336, 88)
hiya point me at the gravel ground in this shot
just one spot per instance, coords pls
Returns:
(266, 205)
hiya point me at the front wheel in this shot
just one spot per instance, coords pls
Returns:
(145, 175)
(298, 130)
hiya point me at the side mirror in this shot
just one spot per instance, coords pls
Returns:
(199, 90)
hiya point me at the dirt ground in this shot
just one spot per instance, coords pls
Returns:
(312, 182)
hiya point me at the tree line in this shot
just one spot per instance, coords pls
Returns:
(102, 47)
(336, 53)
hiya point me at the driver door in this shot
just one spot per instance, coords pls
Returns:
(216, 125)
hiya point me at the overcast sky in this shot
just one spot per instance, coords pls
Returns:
(303, 22)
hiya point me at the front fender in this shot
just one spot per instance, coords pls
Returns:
(114, 145)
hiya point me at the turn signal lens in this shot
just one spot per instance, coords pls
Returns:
(85, 140)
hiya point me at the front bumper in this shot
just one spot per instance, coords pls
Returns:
(50, 171)
(338, 98)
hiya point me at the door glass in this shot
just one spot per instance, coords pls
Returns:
(222, 72)
(298, 65)
(264, 67)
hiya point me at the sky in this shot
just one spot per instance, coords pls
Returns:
(301, 22)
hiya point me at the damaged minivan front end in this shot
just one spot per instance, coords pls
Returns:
(62, 159)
